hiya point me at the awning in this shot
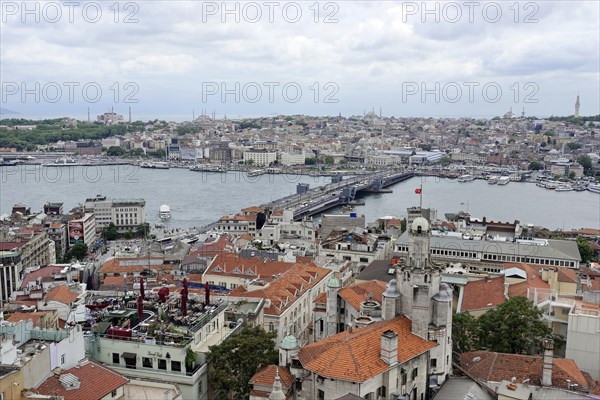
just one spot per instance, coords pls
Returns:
(129, 355)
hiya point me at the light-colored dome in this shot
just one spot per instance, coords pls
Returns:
(289, 343)
(420, 222)
(391, 289)
(445, 293)
(334, 283)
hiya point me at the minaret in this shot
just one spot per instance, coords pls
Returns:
(577, 107)
(129, 114)
(523, 113)
(88, 114)
(277, 393)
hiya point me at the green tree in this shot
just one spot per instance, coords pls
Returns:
(78, 251)
(403, 225)
(585, 250)
(329, 160)
(465, 335)
(543, 144)
(535, 166)
(115, 151)
(549, 133)
(343, 161)
(586, 162)
(143, 229)
(445, 161)
(572, 175)
(128, 235)
(238, 358)
(310, 161)
(573, 145)
(110, 232)
(515, 326)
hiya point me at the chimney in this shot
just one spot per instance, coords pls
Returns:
(506, 285)
(548, 357)
(389, 347)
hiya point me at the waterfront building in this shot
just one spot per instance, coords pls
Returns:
(237, 224)
(125, 214)
(259, 157)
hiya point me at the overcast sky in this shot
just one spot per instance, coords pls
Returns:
(347, 58)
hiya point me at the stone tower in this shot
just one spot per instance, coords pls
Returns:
(424, 298)
(333, 286)
(577, 107)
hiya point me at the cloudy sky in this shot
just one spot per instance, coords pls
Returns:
(168, 58)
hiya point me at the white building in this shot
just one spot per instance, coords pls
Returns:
(260, 157)
(125, 214)
(583, 341)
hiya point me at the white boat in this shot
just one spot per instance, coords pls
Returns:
(503, 180)
(62, 162)
(515, 178)
(466, 178)
(594, 187)
(256, 172)
(164, 212)
(492, 180)
(565, 187)
(208, 168)
(155, 165)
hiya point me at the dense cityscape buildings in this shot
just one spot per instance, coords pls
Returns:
(299, 200)
(357, 307)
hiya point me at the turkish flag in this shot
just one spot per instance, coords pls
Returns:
(418, 190)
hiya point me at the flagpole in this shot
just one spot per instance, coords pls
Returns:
(421, 199)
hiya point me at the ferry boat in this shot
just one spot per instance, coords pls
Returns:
(466, 178)
(208, 168)
(565, 187)
(256, 172)
(164, 212)
(492, 180)
(155, 165)
(503, 180)
(594, 187)
(62, 162)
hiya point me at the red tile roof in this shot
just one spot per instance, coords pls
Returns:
(62, 294)
(229, 264)
(96, 381)
(356, 356)
(266, 377)
(48, 271)
(495, 367)
(35, 317)
(288, 287)
(483, 294)
(10, 246)
(356, 294)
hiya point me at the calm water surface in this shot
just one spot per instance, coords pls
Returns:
(197, 199)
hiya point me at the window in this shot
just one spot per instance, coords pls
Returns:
(116, 358)
(404, 378)
(321, 395)
(147, 362)
(433, 363)
(113, 393)
(176, 366)
(162, 363)
(62, 359)
(415, 372)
